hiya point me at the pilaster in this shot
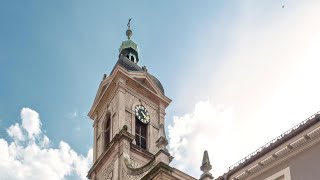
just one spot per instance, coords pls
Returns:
(95, 128)
(121, 107)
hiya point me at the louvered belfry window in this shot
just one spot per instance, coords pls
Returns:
(107, 132)
(141, 134)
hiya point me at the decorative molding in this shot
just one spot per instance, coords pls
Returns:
(126, 176)
(107, 172)
(134, 170)
(111, 150)
(285, 173)
(128, 121)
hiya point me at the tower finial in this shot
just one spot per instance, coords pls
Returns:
(129, 23)
(129, 32)
(128, 48)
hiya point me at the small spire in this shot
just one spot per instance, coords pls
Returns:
(129, 32)
(206, 167)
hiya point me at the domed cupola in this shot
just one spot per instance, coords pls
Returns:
(129, 48)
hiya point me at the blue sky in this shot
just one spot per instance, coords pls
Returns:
(53, 54)
(247, 64)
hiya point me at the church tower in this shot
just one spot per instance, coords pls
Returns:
(128, 116)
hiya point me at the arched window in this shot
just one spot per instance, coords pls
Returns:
(141, 134)
(107, 132)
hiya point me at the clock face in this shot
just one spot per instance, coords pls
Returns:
(142, 114)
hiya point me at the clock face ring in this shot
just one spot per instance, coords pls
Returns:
(142, 114)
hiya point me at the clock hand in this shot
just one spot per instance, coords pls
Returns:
(146, 117)
(143, 114)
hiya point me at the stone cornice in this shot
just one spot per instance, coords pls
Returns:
(118, 72)
(123, 134)
(140, 170)
(166, 153)
(137, 149)
(145, 168)
(159, 168)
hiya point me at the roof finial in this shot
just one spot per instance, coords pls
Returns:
(129, 23)
(129, 32)
(206, 167)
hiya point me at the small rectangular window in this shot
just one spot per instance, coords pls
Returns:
(107, 132)
(141, 134)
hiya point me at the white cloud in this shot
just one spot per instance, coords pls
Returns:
(30, 121)
(73, 115)
(15, 132)
(29, 155)
(266, 64)
(206, 128)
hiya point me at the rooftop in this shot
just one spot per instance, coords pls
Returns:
(273, 144)
(131, 66)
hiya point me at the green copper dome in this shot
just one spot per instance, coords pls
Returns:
(128, 44)
(128, 48)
